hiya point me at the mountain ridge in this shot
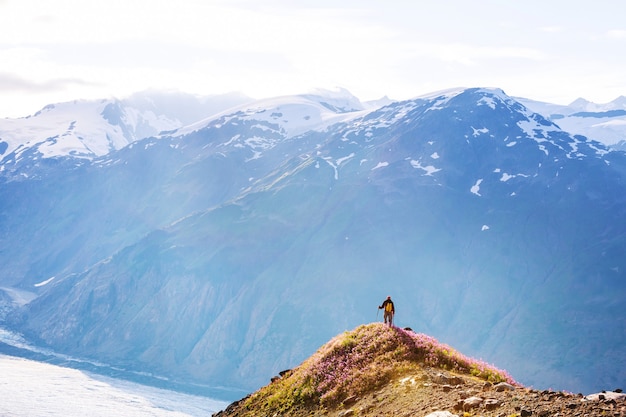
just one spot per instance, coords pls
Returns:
(497, 230)
(601, 122)
(88, 129)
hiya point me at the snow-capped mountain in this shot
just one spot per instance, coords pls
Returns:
(84, 129)
(605, 123)
(289, 116)
(226, 251)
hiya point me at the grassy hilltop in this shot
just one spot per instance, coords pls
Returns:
(377, 370)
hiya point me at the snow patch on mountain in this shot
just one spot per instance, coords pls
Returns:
(441, 97)
(505, 177)
(604, 122)
(87, 129)
(344, 159)
(478, 132)
(381, 165)
(428, 169)
(75, 128)
(475, 189)
(536, 130)
(289, 115)
(487, 101)
(45, 282)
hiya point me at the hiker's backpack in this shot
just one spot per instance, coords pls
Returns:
(389, 307)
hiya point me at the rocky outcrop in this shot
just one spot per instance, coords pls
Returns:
(433, 393)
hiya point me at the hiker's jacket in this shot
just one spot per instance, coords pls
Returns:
(388, 306)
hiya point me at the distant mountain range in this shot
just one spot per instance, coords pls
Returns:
(85, 129)
(224, 250)
(89, 129)
(605, 123)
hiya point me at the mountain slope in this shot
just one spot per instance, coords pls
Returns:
(229, 251)
(124, 195)
(379, 370)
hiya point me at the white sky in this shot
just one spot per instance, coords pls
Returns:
(548, 50)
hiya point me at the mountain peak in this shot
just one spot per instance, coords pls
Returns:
(288, 116)
(337, 93)
(580, 104)
(376, 369)
(619, 103)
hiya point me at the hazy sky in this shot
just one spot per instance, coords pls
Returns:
(548, 50)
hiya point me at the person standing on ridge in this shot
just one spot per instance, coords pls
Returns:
(389, 309)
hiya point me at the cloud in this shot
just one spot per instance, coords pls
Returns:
(551, 29)
(471, 55)
(617, 34)
(12, 83)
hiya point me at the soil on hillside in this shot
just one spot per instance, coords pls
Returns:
(426, 391)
